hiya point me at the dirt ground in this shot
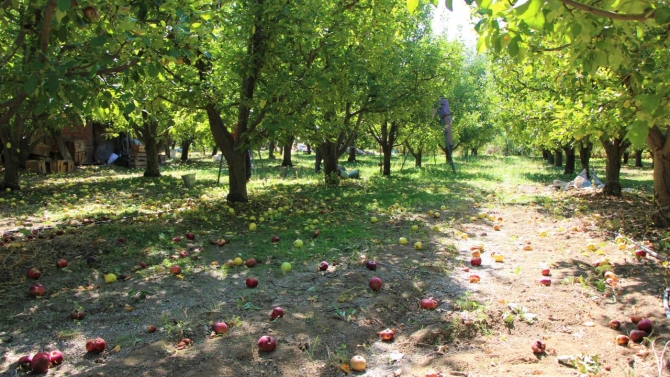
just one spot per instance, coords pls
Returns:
(478, 329)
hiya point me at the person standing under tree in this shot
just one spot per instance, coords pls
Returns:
(445, 119)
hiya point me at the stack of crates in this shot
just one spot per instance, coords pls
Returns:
(138, 157)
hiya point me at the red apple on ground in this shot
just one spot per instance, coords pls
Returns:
(56, 357)
(175, 270)
(375, 283)
(371, 265)
(24, 362)
(122, 240)
(40, 363)
(267, 343)
(151, 329)
(640, 253)
(143, 265)
(183, 254)
(545, 272)
(428, 303)
(219, 327)
(78, 314)
(37, 289)
(190, 236)
(252, 282)
(645, 325)
(34, 273)
(323, 266)
(251, 263)
(62, 263)
(637, 336)
(545, 281)
(176, 239)
(387, 335)
(614, 324)
(275, 239)
(277, 313)
(635, 318)
(622, 340)
(96, 345)
(476, 261)
(538, 346)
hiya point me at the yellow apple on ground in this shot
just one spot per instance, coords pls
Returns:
(373, 220)
(418, 245)
(252, 226)
(415, 227)
(403, 241)
(110, 278)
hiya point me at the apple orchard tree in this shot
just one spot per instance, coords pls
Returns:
(627, 39)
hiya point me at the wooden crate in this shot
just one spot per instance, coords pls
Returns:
(41, 149)
(38, 166)
(137, 160)
(61, 166)
(79, 157)
(137, 148)
(76, 146)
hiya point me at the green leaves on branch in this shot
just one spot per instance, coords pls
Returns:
(531, 13)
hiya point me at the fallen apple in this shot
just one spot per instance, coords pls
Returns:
(373, 220)
(545, 272)
(415, 227)
(77, 315)
(252, 226)
(476, 254)
(267, 343)
(476, 261)
(375, 283)
(358, 363)
(371, 265)
(418, 245)
(640, 253)
(498, 257)
(62, 263)
(622, 340)
(614, 324)
(286, 267)
(190, 236)
(176, 239)
(122, 240)
(323, 266)
(386, 335)
(96, 345)
(219, 327)
(56, 357)
(474, 278)
(428, 303)
(277, 312)
(637, 336)
(545, 281)
(24, 362)
(538, 347)
(110, 278)
(183, 254)
(645, 325)
(34, 273)
(175, 269)
(275, 239)
(238, 261)
(40, 363)
(252, 282)
(298, 243)
(251, 263)
(151, 329)
(143, 265)
(37, 289)
(635, 318)
(403, 241)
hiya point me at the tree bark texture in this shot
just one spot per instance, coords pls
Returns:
(614, 149)
(638, 158)
(147, 133)
(185, 146)
(585, 148)
(286, 161)
(550, 157)
(233, 152)
(558, 161)
(569, 159)
(271, 150)
(658, 141)
(352, 154)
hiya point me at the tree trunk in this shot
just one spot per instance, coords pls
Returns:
(474, 152)
(352, 154)
(659, 143)
(328, 151)
(569, 159)
(271, 150)
(317, 160)
(287, 152)
(387, 150)
(558, 161)
(11, 156)
(386, 139)
(147, 133)
(638, 158)
(614, 149)
(62, 148)
(418, 158)
(185, 146)
(545, 154)
(309, 149)
(550, 157)
(626, 155)
(585, 148)
(215, 150)
(233, 153)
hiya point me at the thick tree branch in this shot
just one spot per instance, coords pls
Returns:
(608, 14)
(46, 29)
